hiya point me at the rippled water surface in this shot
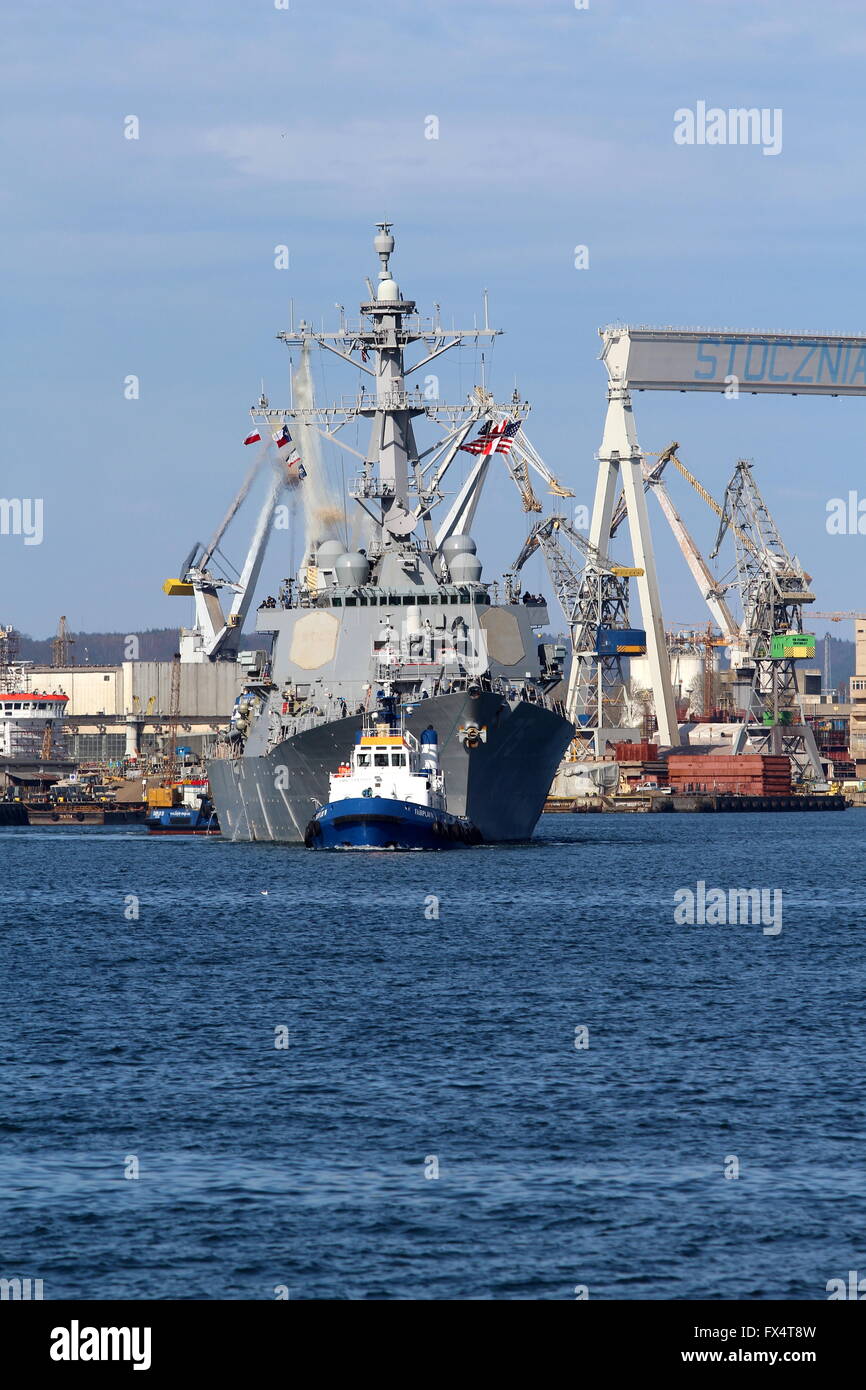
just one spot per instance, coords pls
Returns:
(417, 1040)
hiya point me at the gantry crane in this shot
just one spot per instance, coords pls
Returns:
(593, 593)
(711, 591)
(773, 589)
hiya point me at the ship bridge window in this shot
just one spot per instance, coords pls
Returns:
(363, 759)
(380, 759)
(17, 705)
(398, 759)
(351, 602)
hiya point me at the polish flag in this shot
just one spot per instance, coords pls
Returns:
(254, 438)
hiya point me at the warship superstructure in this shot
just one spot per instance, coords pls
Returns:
(401, 614)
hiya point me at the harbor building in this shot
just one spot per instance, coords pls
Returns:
(115, 711)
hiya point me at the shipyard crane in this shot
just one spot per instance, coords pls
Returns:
(520, 456)
(839, 617)
(173, 720)
(711, 591)
(61, 645)
(592, 591)
(523, 456)
(704, 360)
(216, 635)
(773, 589)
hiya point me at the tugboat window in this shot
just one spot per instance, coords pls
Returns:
(363, 759)
(398, 759)
(380, 760)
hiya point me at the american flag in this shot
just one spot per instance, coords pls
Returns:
(493, 439)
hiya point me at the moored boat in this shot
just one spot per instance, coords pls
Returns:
(183, 809)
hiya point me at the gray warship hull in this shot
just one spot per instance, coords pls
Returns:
(501, 784)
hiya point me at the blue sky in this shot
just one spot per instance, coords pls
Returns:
(260, 127)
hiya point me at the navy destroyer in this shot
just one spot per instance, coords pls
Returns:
(390, 605)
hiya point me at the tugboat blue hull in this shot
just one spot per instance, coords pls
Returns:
(381, 823)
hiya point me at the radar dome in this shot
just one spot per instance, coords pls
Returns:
(465, 568)
(327, 553)
(353, 569)
(457, 545)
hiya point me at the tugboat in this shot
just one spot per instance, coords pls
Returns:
(390, 795)
(184, 809)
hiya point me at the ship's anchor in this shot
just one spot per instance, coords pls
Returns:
(471, 735)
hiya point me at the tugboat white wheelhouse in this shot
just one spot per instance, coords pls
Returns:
(406, 614)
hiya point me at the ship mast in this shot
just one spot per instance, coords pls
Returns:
(391, 435)
(395, 480)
